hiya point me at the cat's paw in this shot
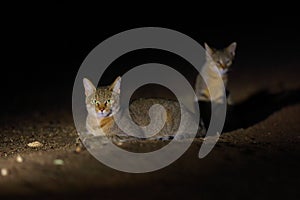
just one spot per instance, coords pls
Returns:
(230, 102)
(95, 142)
(79, 145)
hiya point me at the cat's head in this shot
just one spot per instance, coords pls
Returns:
(103, 101)
(223, 58)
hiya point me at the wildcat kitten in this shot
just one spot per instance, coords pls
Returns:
(103, 103)
(217, 62)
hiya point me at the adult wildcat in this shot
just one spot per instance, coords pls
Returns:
(103, 103)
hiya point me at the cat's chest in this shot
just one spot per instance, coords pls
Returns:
(106, 122)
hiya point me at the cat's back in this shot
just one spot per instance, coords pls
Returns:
(139, 110)
(146, 103)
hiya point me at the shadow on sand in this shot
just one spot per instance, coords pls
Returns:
(253, 110)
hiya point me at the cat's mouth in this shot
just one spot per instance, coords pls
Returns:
(223, 71)
(101, 114)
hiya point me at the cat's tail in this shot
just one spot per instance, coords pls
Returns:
(153, 138)
(161, 138)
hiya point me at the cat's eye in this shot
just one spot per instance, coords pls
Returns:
(94, 101)
(109, 101)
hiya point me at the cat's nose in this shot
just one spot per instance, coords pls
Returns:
(222, 64)
(101, 109)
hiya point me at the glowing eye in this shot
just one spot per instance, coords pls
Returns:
(94, 101)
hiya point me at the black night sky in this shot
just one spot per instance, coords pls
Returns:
(48, 44)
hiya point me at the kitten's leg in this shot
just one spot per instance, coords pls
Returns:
(229, 100)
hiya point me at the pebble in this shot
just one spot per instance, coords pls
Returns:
(119, 143)
(4, 172)
(78, 149)
(58, 162)
(19, 159)
(35, 144)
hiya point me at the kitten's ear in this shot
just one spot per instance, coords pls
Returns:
(209, 51)
(115, 87)
(231, 48)
(88, 87)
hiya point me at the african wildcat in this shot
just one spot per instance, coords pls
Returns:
(217, 62)
(103, 103)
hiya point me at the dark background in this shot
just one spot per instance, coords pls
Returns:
(44, 45)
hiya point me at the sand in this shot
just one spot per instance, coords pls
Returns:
(258, 158)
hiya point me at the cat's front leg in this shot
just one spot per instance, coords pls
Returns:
(229, 100)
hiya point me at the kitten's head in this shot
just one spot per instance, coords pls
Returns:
(222, 58)
(103, 101)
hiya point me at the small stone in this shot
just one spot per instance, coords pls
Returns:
(19, 159)
(58, 162)
(119, 143)
(35, 144)
(4, 172)
(78, 149)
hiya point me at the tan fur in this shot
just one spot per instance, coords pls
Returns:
(138, 109)
(217, 65)
(106, 123)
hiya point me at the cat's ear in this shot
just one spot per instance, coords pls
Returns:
(115, 87)
(88, 87)
(231, 48)
(209, 51)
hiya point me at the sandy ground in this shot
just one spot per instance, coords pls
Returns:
(257, 159)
